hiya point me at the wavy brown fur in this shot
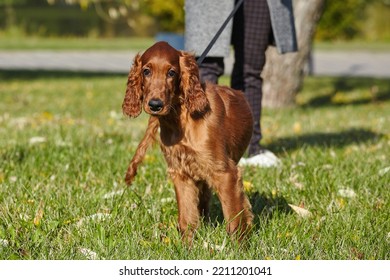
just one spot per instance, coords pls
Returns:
(204, 131)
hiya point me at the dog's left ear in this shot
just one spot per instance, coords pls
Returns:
(195, 98)
(132, 104)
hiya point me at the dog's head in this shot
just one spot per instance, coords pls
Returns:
(161, 79)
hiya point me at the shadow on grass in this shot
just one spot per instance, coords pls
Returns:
(54, 74)
(378, 91)
(264, 206)
(332, 139)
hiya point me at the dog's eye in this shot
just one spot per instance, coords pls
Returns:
(146, 72)
(171, 73)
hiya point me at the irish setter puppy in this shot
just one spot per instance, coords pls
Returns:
(204, 131)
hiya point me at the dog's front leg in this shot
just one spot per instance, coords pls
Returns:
(147, 140)
(187, 196)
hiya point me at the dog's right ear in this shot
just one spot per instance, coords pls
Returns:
(132, 104)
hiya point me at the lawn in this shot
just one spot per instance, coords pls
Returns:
(13, 43)
(58, 43)
(65, 146)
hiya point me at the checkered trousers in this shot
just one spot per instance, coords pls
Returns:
(252, 33)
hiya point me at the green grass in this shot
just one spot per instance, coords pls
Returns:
(63, 43)
(138, 44)
(335, 148)
(372, 46)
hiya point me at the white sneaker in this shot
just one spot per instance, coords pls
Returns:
(264, 159)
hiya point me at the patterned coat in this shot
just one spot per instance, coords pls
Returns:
(205, 17)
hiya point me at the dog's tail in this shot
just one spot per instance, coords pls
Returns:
(149, 138)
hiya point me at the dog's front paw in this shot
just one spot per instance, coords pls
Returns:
(130, 174)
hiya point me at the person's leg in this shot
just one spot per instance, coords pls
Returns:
(237, 78)
(257, 32)
(211, 69)
(252, 33)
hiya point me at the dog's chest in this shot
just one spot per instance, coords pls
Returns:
(185, 161)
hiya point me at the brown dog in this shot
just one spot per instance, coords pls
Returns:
(204, 131)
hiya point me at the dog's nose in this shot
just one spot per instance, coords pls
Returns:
(156, 105)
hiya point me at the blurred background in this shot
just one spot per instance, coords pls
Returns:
(90, 18)
(363, 20)
(356, 32)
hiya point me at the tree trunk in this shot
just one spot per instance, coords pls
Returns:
(283, 74)
(9, 16)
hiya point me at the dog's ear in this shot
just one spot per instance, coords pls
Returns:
(132, 104)
(195, 98)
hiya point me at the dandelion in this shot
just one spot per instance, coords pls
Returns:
(145, 243)
(166, 240)
(340, 98)
(39, 214)
(297, 128)
(47, 116)
(248, 187)
(341, 203)
(150, 158)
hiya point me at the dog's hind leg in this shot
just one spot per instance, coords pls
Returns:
(235, 204)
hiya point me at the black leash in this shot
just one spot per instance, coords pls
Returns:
(216, 36)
